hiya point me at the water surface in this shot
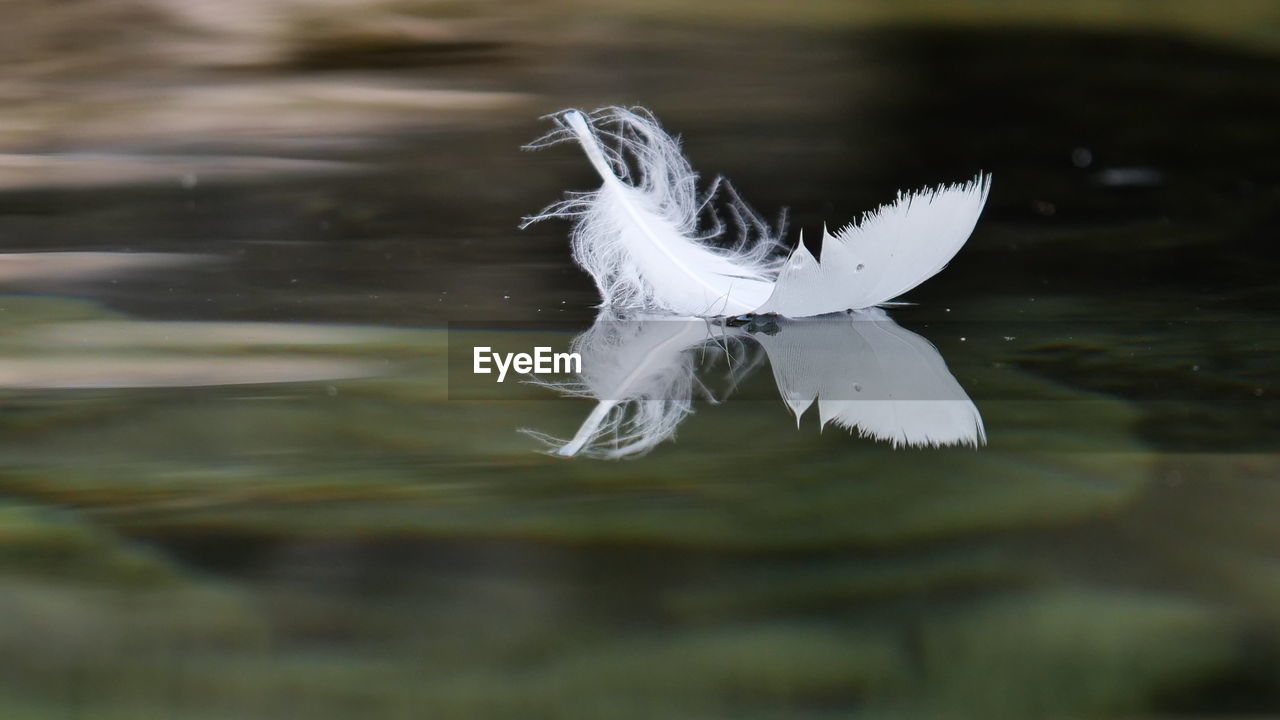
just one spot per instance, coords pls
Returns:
(234, 481)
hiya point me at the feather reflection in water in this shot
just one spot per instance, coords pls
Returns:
(866, 373)
(642, 372)
(870, 374)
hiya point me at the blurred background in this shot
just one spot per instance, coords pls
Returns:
(233, 485)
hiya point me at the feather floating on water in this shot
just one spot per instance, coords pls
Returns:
(641, 238)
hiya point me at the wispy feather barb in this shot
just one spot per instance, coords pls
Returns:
(640, 237)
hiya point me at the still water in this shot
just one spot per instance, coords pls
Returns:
(238, 478)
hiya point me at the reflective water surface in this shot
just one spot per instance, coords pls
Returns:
(240, 476)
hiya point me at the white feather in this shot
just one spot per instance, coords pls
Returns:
(638, 236)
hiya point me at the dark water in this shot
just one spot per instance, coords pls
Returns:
(201, 516)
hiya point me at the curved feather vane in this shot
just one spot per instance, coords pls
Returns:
(893, 249)
(638, 236)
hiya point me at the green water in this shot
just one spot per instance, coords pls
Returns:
(205, 517)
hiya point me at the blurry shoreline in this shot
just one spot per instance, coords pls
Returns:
(120, 74)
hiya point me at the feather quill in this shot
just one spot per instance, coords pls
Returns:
(640, 237)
